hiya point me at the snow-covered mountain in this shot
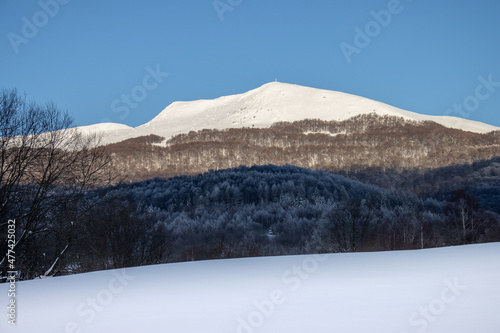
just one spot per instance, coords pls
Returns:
(455, 289)
(264, 106)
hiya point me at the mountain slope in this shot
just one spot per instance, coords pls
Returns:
(109, 132)
(270, 103)
(274, 102)
(363, 141)
(454, 289)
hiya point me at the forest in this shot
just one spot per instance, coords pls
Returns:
(263, 211)
(361, 142)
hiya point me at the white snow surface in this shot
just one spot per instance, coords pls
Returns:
(109, 132)
(266, 105)
(454, 289)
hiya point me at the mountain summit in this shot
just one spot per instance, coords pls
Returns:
(260, 108)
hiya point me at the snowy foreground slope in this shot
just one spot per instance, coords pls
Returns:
(453, 289)
(263, 106)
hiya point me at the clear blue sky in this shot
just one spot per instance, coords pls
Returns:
(87, 54)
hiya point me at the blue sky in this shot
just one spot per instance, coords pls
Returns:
(420, 55)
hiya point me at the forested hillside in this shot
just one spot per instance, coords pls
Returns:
(365, 141)
(479, 180)
(262, 210)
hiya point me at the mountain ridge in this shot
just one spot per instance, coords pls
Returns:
(261, 107)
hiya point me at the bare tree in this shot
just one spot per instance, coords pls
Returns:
(348, 225)
(40, 156)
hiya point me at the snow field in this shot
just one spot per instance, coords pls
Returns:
(455, 289)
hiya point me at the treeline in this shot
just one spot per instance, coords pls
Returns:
(479, 179)
(364, 141)
(262, 210)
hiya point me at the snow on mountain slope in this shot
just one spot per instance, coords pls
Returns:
(275, 102)
(455, 289)
(109, 132)
(271, 103)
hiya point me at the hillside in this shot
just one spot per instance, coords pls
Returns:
(455, 289)
(364, 141)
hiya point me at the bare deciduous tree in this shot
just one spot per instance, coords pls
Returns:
(41, 155)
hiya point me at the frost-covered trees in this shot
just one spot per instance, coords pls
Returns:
(261, 210)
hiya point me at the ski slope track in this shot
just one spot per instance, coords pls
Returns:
(264, 106)
(453, 289)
